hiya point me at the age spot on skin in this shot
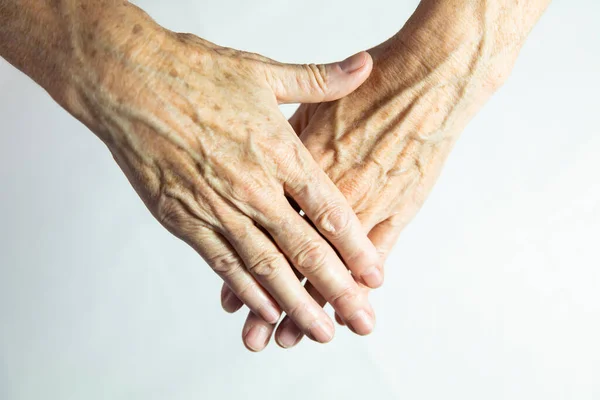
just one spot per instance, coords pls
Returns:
(217, 107)
(173, 72)
(137, 29)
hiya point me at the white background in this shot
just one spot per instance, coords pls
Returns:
(493, 292)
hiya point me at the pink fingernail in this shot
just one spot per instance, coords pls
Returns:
(361, 323)
(353, 63)
(257, 337)
(231, 302)
(321, 332)
(289, 335)
(269, 313)
(373, 277)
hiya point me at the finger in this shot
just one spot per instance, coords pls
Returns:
(224, 260)
(327, 208)
(302, 117)
(314, 258)
(271, 268)
(255, 328)
(257, 332)
(384, 236)
(288, 335)
(229, 301)
(312, 83)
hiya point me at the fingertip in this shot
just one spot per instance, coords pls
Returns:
(346, 76)
(270, 313)
(361, 323)
(321, 331)
(288, 334)
(229, 301)
(256, 338)
(356, 63)
(372, 277)
(339, 320)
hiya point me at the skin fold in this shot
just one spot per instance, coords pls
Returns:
(197, 130)
(385, 144)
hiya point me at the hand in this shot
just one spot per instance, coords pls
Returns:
(197, 130)
(384, 146)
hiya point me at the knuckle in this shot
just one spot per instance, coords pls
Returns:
(225, 264)
(168, 212)
(310, 258)
(317, 74)
(251, 191)
(267, 266)
(345, 296)
(245, 188)
(246, 292)
(286, 155)
(359, 255)
(297, 310)
(174, 215)
(181, 212)
(335, 220)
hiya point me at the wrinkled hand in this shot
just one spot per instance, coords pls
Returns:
(197, 130)
(383, 146)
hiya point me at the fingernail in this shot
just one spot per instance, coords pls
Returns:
(230, 302)
(339, 320)
(373, 277)
(353, 63)
(321, 332)
(257, 337)
(269, 313)
(289, 336)
(361, 323)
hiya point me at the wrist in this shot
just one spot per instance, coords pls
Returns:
(459, 39)
(106, 40)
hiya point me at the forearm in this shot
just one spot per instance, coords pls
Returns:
(489, 33)
(33, 37)
(475, 37)
(448, 59)
(55, 42)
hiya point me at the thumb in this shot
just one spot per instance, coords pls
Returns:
(315, 83)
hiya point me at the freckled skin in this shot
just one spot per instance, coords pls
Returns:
(197, 130)
(385, 144)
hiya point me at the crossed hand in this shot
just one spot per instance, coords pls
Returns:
(267, 202)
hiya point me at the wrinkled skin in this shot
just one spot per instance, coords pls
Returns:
(385, 144)
(198, 132)
(196, 129)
